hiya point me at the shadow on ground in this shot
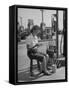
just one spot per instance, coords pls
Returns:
(24, 75)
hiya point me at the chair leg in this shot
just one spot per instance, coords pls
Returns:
(31, 67)
(39, 64)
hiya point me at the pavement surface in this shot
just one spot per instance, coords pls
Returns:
(24, 64)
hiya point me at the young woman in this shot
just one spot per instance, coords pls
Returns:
(32, 49)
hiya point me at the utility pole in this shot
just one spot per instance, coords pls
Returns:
(21, 20)
(42, 14)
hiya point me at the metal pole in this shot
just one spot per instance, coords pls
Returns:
(64, 31)
(57, 31)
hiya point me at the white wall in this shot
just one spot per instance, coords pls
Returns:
(4, 36)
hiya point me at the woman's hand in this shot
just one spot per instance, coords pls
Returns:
(39, 44)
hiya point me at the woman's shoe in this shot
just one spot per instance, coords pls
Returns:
(47, 73)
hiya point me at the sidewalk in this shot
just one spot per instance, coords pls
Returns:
(24, 76)
(24, 66)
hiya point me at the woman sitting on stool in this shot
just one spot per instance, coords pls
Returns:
(32, 49)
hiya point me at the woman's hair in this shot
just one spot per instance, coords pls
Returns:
(35, 28)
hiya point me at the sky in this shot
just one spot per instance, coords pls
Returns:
(36, 15)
